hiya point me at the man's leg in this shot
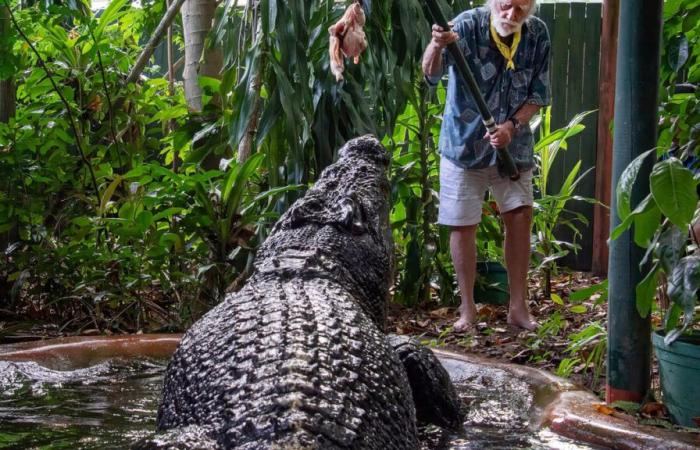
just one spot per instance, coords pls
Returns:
(517, 254)
(461, 195)
(463, 249)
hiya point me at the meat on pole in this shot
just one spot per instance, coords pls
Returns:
(504, 156)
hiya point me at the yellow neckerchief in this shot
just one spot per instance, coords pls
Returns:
(507, 52)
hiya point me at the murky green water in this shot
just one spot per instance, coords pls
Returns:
(107, 406)
(112, 404)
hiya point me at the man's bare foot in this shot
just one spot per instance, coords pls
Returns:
(523, 320)
(467, 318)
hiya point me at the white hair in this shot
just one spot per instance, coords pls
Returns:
(530, 12)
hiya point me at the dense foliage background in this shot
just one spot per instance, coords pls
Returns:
(125, 206)
(123, 209)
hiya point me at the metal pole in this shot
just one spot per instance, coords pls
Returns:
(636, 101)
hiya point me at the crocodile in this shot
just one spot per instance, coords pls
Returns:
(298, 357)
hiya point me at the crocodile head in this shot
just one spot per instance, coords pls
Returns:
(340, 228)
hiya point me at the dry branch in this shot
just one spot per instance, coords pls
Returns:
(150, 47)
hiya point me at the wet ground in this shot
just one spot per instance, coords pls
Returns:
(112, 404)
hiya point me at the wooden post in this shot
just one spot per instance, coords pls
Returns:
(606, 112)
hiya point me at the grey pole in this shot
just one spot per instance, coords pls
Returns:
(636, 102)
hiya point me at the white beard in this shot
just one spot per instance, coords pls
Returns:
(503, 31)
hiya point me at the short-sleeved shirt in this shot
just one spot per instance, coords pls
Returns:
(505, 91)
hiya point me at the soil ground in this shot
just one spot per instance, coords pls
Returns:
(545, 348)
(570, 341)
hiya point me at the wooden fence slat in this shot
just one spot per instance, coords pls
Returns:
(589, 137)
(575, 34)
(560, 62)
(546, 13)
(574, 99)
(575, 153)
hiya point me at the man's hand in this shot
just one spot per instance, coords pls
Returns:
(442, 38)
(432, 58)
(503, 135)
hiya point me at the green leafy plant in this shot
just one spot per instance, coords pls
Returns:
(134, 252)
(422, 249)
(227, 215)
(489, 234)
(538, 344)
(550, 211)
(660, 222)
(587, 349)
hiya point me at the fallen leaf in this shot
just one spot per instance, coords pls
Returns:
(423, 323)
(604, 409)
(654, 409)
(441, 313)
(557, 299)
(488, 312)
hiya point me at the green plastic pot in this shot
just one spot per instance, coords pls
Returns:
(679, 369)
(494, 289)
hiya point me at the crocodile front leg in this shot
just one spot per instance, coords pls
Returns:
(433, 392)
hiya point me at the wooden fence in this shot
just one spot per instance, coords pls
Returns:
(575, 29)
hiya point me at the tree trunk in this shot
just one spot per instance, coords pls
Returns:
(197, 18)
(7, 110)
(7, 100)
(7, 87)
(245, 147)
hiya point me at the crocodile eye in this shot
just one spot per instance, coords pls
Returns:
(353, 215)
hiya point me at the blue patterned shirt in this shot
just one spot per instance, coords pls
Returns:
(505, 91)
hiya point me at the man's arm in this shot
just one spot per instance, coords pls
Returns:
(432, 57)
(525, 113)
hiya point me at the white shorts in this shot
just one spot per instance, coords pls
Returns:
(462, 192)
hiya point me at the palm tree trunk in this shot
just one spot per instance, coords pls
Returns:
(197, 18)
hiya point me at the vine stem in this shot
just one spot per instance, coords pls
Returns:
(49, 74)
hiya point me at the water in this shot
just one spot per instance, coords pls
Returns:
(106, 406)
(112, 404)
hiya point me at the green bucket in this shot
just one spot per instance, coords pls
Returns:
(679, 369)
(491, 284)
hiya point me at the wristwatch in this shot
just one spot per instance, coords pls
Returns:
(516, 124)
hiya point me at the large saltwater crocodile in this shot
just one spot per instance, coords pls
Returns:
(297, 359)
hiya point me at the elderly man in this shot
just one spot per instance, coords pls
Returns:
(507, 49)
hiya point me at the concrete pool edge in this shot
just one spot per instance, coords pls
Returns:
(571, 413)
(560, 405)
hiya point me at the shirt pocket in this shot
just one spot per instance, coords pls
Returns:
(520, 86)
